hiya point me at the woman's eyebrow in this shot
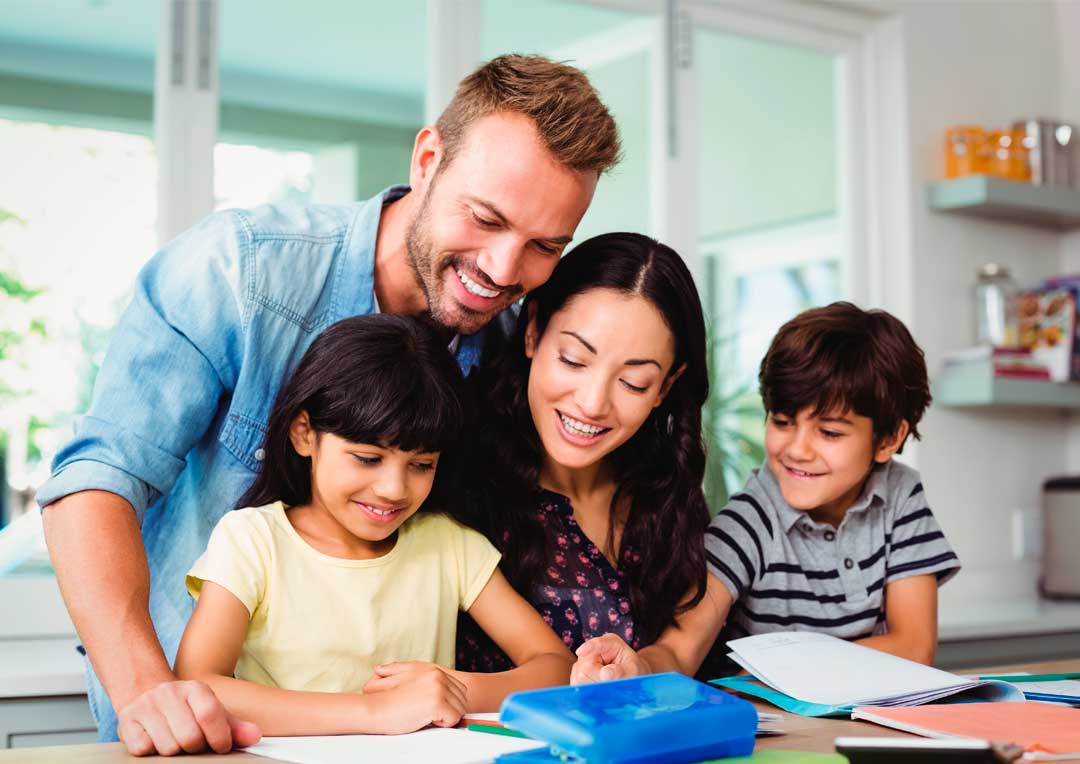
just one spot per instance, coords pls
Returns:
(630, 362)
(581, 339)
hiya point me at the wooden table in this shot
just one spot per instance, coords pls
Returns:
(803, 733)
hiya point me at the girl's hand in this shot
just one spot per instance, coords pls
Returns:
(412, 695)
(607, 657)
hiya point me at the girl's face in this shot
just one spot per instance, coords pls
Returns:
(602, 365)
(367, 490)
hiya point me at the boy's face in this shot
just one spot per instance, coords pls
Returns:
(821, 462)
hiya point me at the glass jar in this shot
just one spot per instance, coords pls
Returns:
(995, 318)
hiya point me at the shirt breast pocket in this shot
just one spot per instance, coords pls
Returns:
(244, 438)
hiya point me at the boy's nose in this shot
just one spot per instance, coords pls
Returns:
(799, 448)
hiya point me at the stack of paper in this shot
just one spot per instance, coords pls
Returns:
(825, 670)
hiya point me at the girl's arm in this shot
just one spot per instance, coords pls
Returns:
(211, 646)
(682, 647)
(541, 658)
(911, 619)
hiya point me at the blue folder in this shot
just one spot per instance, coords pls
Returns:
(658, 718)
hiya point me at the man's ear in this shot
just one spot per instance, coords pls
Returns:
(302, 435)
(890, 444)
(426, 156)
(665, 388)
(532, 334)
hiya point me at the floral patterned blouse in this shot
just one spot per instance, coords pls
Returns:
(582, 595)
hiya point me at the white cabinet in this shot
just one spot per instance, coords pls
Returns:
(43, 694)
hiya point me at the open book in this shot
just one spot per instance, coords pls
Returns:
(831, 672)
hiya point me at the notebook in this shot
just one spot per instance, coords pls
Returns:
(826, 675)
(1047, 732)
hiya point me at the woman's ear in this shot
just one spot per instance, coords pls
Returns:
(665, 388)
(532, 334)
(302, 435)
(890, 444)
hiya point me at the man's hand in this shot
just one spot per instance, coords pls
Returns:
(607, 657)
(181, 716)
(414, 694)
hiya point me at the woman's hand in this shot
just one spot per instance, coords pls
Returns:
(413, 694)
(607, 657)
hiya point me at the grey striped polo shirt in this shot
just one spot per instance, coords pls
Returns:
(788, 572)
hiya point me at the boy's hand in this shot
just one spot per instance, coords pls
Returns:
(414, 694)
(607, 657)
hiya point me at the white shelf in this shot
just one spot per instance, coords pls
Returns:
(972, 390)
(1054, 207)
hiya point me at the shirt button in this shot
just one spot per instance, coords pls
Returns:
(829, 535)
(260, 455)
(849, 563)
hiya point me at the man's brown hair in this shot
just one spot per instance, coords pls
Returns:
(573, 123)
(843, 358)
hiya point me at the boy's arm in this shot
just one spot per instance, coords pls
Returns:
(541, 658)
(911, 619)
(211, 646)
(682, 647)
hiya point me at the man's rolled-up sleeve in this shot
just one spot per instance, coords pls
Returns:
(172, 357)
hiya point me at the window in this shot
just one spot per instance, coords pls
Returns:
(78, 210)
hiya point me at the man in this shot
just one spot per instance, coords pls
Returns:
(221, 316)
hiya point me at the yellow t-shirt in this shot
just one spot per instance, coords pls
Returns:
(322, 623)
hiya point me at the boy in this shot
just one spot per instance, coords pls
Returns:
(831, 534)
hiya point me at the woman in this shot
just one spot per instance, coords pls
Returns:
(590, 450)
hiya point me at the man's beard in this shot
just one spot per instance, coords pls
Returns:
(428, 269)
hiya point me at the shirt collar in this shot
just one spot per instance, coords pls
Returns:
(874, 493)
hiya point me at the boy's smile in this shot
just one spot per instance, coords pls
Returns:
(821, 462)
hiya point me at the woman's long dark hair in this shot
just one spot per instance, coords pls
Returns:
(659, 470)
(379, 379)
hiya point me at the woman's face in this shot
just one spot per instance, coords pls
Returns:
(602, 365)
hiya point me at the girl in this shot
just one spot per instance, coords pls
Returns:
(593, 424)
(329, 604)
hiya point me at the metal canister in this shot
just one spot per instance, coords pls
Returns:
(1052, 151)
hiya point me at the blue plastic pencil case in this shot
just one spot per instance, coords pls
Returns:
(658, 718)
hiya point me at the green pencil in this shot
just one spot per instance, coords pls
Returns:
(493, 729)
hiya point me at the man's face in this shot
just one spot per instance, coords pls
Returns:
(493, 224)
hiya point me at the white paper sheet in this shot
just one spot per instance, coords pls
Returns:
(823, 669)
(446, 746)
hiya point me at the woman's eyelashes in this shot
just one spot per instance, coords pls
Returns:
(634, 388)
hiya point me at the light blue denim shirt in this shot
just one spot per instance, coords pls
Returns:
(219, 318)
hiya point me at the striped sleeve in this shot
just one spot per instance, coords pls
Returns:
(736, 542)
(917, 545)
